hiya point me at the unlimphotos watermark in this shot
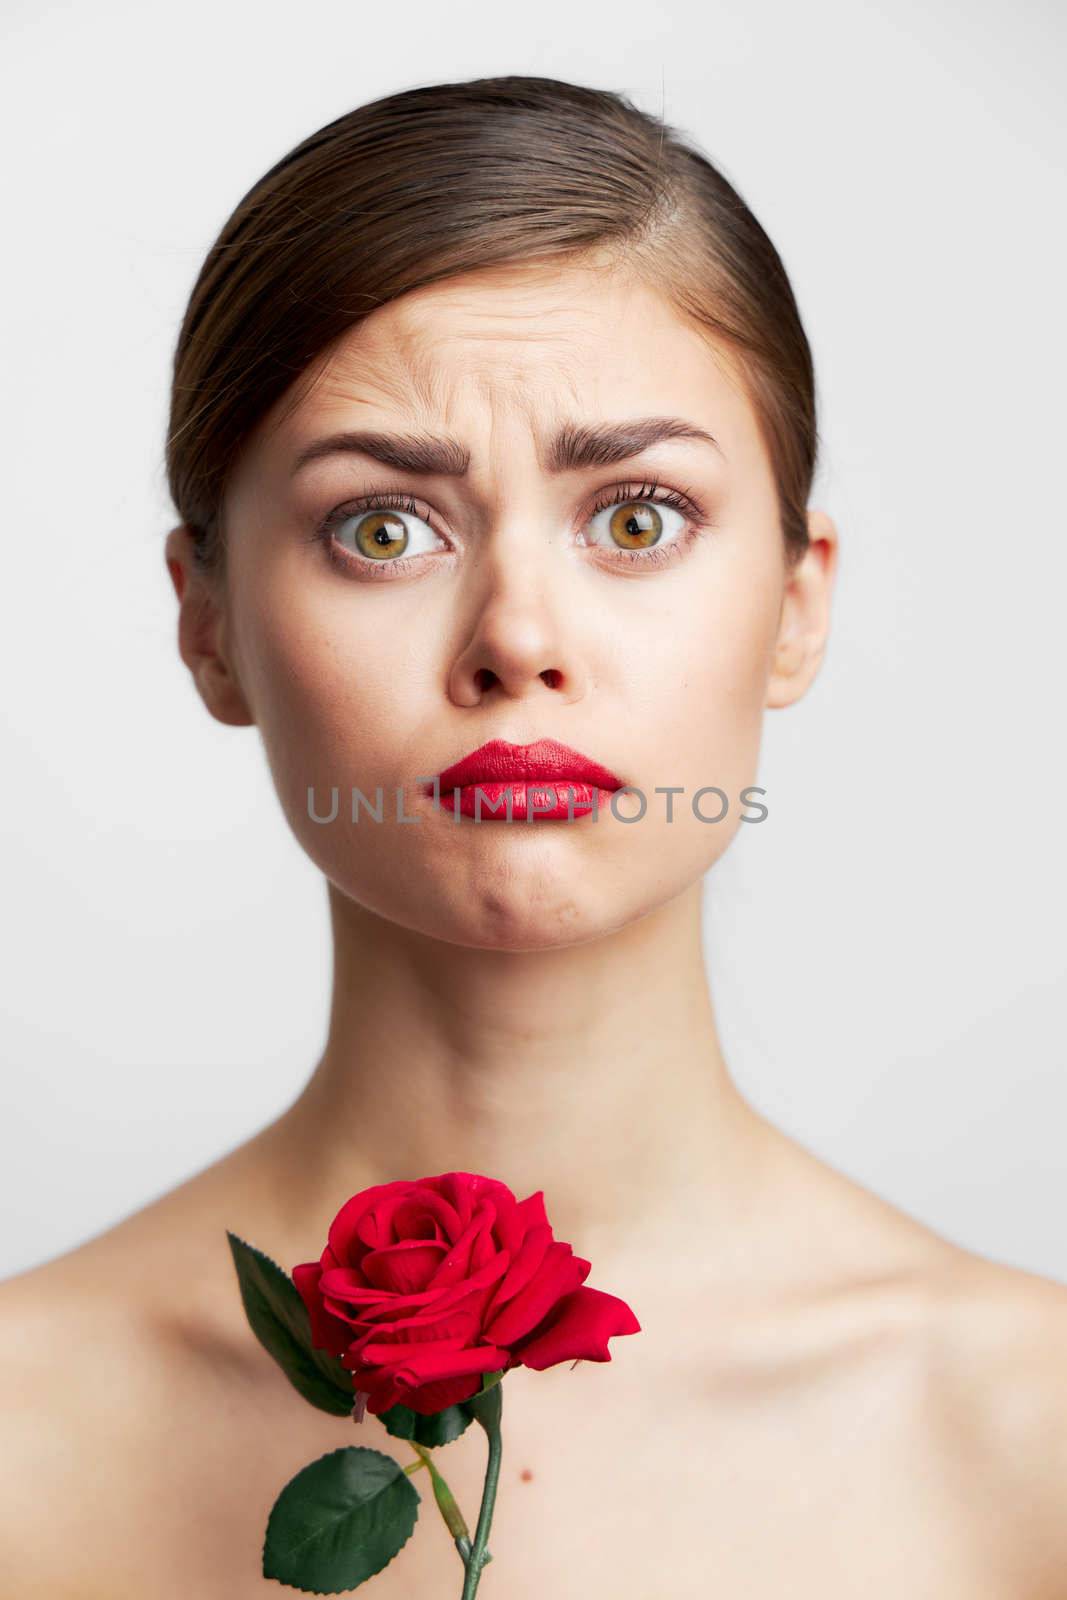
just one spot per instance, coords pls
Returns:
(540, 799)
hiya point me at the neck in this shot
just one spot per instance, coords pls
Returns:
(591, 1072)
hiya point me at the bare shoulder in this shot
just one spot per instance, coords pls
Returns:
(114, 1358)
(79, 1371)
(999, 1345)
(980, 1351)
(135, 1403)
(1002, 1334)
(61, 1340)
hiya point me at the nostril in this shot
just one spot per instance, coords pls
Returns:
(551, 677)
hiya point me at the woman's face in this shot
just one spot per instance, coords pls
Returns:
(525, 598)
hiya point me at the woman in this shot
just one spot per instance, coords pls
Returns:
(492, 434)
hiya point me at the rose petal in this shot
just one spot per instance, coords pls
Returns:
(578, 1327)
(485, 1245)
(375, 1227)
(459, 1262)
(420, 1363)
(342, 1236)
(424, 1215)
(343, 1281)
(384, 1394)
(459, 1315)
(458, 1327)
(560, 1272)
(510, 1228)
(326, 1332)
(430, 1397)
(427, 1398)
(382, 1305)
(524, 1268)
(425, 1379)
(532, 1211)
(406, 1267)
(463, 1190)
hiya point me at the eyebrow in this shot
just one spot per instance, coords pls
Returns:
(575, 445)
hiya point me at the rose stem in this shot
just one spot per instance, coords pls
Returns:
(446, 1501)
(487, 1408)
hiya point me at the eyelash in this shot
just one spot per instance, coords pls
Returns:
(616, 495)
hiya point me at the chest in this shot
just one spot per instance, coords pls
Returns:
(830, 1489)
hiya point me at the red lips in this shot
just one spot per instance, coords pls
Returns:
(547, 761)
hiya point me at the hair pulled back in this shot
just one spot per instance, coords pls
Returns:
(450, 178)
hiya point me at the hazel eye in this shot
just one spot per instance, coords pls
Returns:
(635, 524)
(380, 535)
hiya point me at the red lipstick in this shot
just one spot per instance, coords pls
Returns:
(547, 779)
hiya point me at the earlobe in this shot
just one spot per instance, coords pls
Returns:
(804, 622)
(202, 642)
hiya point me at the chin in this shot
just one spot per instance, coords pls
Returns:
(494, 906)
(496, 925)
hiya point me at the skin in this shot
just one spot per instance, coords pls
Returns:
(538, 995)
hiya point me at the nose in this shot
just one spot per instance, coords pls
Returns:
(519, 645)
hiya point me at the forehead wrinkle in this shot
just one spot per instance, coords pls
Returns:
(563, 323)
(401, 354)
(507, 333)
(397, 367)
(420, 330)
(544, 399)
(438, 398)
(496, 398)
(344, 378)
(512, 382)
(394, 348)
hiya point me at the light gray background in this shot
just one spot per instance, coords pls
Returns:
(887, 950)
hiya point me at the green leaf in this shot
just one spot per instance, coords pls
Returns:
(490, 1381)
(279, 1320)
(439, 1427)
(339, 1521)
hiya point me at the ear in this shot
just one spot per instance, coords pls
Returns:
(804, 621)
(202, 631)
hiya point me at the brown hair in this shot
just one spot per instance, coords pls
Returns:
(452, 178)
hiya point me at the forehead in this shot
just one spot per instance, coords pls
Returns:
(532, 344)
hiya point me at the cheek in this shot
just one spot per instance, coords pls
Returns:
(331, 698)
(695, 694)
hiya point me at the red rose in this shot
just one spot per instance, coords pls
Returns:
(426, 1285)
